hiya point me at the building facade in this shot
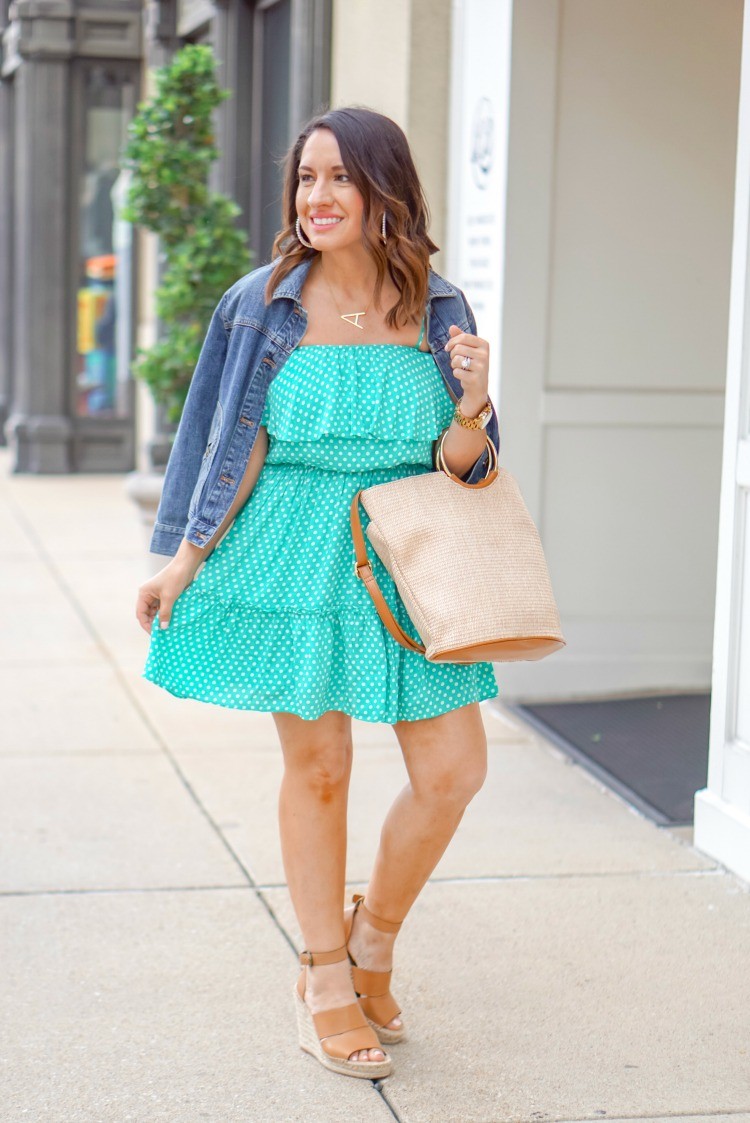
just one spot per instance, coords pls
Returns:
(589, 166)
(70, 79)
(74, 283)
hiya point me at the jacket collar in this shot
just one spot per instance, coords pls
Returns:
(291, 286)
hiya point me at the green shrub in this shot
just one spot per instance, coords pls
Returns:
(169, 152)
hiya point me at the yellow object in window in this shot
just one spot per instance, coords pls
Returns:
(91, 304)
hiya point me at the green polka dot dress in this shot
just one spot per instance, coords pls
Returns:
(276, 619)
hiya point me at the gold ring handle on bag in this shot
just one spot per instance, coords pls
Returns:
(492, 469)
(363, 565)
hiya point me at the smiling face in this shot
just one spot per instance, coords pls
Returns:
(328, 204)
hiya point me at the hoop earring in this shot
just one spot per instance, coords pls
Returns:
(298, 228)
(382, 236)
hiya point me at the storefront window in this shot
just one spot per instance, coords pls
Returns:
(104, 311)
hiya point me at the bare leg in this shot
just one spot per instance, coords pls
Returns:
(312, 824)
(446, 759)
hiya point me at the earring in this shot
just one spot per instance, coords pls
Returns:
(382, 236)
(298, 228)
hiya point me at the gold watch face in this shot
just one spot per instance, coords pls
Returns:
(482, 419)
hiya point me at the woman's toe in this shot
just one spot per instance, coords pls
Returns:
(368, 1055)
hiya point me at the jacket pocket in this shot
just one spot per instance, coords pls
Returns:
(208, 458)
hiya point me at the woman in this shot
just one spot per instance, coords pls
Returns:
(336, 367)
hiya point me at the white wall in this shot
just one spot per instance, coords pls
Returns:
(621, 171)
(394, 56)
(370, 55)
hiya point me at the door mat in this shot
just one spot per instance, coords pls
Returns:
(653, 751)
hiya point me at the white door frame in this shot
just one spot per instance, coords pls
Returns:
(722, 808)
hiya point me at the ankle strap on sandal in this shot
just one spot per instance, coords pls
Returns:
(320, 958)
(376, 921)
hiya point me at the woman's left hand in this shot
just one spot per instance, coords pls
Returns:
(474, 380)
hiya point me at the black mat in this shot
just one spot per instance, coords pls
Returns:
(652, 750)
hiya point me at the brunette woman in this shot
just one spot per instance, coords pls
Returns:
(335, 367)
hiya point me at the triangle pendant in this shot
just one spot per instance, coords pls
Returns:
(353, 318)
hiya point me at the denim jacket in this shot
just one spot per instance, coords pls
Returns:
(247, 343)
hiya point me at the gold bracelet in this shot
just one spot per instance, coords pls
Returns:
(478, 422)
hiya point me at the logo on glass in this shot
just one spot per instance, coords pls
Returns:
(482, 134)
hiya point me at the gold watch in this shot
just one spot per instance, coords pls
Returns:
(478, 422)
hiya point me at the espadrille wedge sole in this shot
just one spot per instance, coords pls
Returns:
(333, 1035)
(373, 987)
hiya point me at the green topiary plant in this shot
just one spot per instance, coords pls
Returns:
(169, 153)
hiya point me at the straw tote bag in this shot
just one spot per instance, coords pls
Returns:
(467, 562)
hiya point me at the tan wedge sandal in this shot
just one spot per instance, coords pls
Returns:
(373, 987)
(332, 1035)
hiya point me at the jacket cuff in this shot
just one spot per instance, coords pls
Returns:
(479, 468)
(166, 539)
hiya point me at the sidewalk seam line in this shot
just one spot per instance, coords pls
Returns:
(109, 658)
(263, 887)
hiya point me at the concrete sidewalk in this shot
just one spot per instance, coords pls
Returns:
(568, 960)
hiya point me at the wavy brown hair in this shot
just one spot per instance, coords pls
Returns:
(378, 159)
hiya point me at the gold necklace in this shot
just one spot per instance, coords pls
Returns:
(350, 317)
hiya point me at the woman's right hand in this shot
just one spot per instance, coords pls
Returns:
(160, 592)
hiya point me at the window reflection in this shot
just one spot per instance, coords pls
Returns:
(104, 252)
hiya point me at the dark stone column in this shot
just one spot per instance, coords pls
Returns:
(39, 428)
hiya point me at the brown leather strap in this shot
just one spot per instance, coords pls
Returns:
(363, 564)
(376, 921)
(344, 1030)
(321, 958)
(342, 1047)
(382, 1008)
(341, 1019)
(371, 984)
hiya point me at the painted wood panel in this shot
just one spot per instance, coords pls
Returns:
(619, 226)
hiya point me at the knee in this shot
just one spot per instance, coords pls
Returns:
(323, 768)
(453, 785)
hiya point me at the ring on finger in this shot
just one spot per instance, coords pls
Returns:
(466, 362)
